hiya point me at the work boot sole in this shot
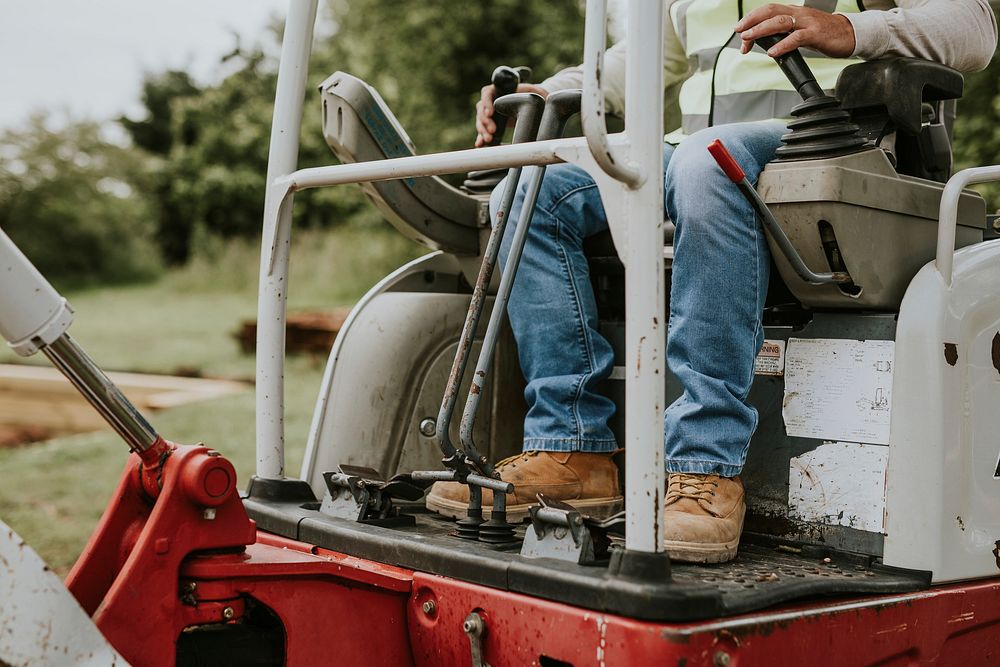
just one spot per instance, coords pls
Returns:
(599, 508)
(701, 553)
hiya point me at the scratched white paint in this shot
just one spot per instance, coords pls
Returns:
(41, 623)
(602, 631)
(840, 483)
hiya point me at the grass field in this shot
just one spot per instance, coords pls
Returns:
(53, 493)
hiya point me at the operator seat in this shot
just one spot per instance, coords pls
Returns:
(359, 127)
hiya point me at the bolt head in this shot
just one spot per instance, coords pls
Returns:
(721, 659)
(228, 613)
(429, 607)
(428, 427)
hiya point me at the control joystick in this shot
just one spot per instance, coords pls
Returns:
(821, 128)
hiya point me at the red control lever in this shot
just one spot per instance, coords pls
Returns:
(726, 161)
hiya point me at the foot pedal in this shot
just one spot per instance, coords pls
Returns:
(561, 532)
(361, 494)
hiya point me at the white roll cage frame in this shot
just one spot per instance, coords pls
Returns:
(628, 169)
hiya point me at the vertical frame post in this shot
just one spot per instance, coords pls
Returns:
(644, 306)
(282, 160)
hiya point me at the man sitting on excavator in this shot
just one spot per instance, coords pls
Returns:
(721, 264)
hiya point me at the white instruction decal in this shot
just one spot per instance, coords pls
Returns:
(840, 483)
(771, 358)
(838, 389)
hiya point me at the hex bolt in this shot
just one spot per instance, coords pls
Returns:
(190, 587)
(428, 427)
(209, 513)
(429, 607)
(228, 613)
(721, 659)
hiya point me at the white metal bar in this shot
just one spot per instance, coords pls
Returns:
(948, 213)
(282, 159)
(620, 167)
(511, 155)
(645, 342)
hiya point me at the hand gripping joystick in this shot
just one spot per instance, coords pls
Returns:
(821, 128)
(506, 80)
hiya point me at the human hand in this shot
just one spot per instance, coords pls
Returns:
(830, 34)
(485, 127)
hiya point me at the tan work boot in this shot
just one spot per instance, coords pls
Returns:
(703, 517)
(585, 480)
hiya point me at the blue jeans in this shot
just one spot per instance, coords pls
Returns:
(719, 281)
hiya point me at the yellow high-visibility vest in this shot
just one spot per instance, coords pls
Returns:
(726, 86)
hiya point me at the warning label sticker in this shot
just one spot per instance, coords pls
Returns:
(771, 358)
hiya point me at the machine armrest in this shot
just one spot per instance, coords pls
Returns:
(899, 85)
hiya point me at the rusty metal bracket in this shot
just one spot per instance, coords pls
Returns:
(561, 532)
(361, 494)
(475, 629)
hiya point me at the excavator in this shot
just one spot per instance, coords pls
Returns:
(873, 528)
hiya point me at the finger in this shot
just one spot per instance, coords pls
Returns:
(762, 14)
(797, 39)
(771, 26)
(488, 93)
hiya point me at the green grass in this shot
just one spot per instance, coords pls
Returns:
(53, 493)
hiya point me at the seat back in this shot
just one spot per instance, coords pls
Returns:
(905, 106)
(359, 127)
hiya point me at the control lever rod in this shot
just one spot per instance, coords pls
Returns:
(559, 108)
(526, 109)
(735, 173)
(506, 80)
(793, 64)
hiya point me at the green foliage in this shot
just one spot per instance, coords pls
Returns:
(75, 204)
(430, 59)
(977, 126)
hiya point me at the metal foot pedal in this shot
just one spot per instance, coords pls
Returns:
(363, 495)
(561, 532)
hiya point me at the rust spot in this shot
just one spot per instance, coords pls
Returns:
(961, 524)
(951, 353)
(474, 389)
(996, 552)
(995, 351)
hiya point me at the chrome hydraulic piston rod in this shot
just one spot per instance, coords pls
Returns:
(34, 316)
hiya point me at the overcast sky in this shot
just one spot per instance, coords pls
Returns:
(89, 56)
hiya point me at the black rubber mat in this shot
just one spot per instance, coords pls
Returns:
(763, 575)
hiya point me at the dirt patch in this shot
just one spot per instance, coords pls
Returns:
(38, 403)
(13, 436)
(311, 333)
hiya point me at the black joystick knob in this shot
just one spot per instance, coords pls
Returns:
(506, 80)
(821, 128)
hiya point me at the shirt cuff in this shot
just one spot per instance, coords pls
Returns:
(871, 34)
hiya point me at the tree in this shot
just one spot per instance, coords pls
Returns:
(75, 204)
(977, 126)
(428, 60)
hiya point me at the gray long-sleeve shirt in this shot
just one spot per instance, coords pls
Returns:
(959, 33)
